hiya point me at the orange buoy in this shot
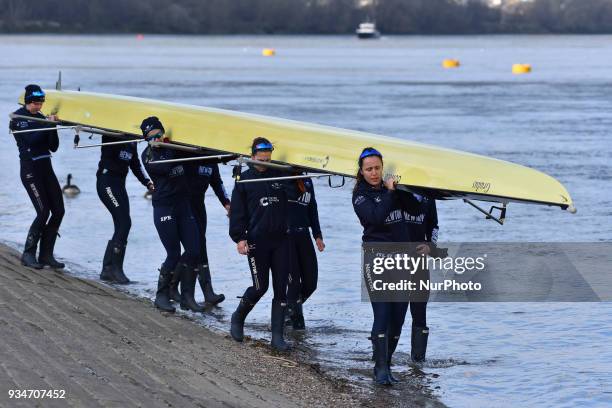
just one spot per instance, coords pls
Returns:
(268, 52)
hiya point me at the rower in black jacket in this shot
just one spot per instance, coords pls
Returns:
(201, 176)
(389, 215)
(258, 225)
(112, 171)
(204, 175)
(173, 218)
(422, 222)
(303, 217)
(39, 179)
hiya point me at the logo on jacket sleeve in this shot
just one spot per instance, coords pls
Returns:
(125, 155)
(205, 171)
(304, 199)
(177, 171)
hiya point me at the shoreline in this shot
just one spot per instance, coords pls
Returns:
(106, 347)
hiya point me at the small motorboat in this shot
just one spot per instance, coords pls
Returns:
(367, 30)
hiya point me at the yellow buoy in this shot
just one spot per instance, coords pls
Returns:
(268, 52)
(518, 69)
(450, 63)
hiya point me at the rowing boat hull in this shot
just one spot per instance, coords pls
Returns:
(443, 172)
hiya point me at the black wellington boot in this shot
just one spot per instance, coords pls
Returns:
(238, 317)
(188, 278)
(162, 297)
(28, 258)
(278, 326)
(297, 316)
(107, 273)
(175, 295)
(117, 257)
(419, 343)
(47, 244)
(206, 285)
(393, 340)
(381, 357)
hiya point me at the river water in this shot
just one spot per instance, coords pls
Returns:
(556, 119)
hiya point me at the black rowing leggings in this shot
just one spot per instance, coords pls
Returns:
(45, 193)
(266, 255)
(176, 225)
(389, 316)
(199, 212)
(304, 269)
(112, 193)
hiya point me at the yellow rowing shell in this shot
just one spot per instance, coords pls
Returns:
(444, 173)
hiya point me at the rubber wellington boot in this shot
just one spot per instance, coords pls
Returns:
(188, 278)
(175, 295)
(47, 244)
(238, 317)
(206, 285)
(393, 340)
(297, 316)
(107, 273)
(381, 358)
(419, 343)
(162, 297)
(28, 258)
(117, 257)
(278, 326)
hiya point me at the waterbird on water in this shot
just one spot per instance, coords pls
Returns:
(70, 190)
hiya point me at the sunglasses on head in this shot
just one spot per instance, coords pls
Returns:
(263, 147)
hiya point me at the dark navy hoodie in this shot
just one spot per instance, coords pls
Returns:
(116, 159)
(259, 210)
(170, 179)
(204, 174)
(303, 211)
(34, 145)
(394, 216)
(423, 223)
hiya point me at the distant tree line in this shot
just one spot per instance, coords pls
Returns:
(305, 16)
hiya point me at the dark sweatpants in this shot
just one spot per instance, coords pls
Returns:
(265, 256)
(199, 212)
(44, 190)
(389, 316)
(303, 276)
(112, 193)
(176, 225)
